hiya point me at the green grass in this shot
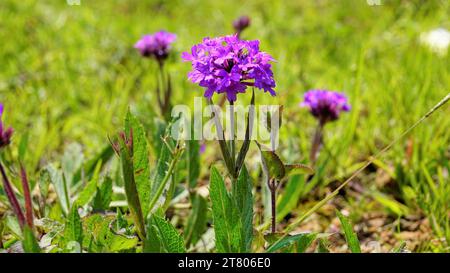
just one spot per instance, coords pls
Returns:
(69, 73)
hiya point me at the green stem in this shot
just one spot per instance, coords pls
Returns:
(232, 140)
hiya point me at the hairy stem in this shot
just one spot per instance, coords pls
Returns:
(316, 143)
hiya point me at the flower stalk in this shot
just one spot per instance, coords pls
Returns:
(12, 198)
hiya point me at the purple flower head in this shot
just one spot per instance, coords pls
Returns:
(229, 65)
(241, 23)
(5, 135)
(156, 45)
(325, 105)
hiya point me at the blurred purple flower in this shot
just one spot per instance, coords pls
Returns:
(202, 148)
(156, 45)
(229, 65)
(241, 23)
(325, 105)
(5, 135)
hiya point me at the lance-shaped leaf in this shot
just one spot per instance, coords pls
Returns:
(88, 192)
(275, 168)
(61, 188)
(243, 202)
(73, 230)
(248, 135)
(225, 217)
(104, 195)
(130, 184)
(350, 235)
(303, 241)
(29, 243)
(165, 237)
(140, 159)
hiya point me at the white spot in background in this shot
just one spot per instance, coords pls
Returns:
(437, 40)
(73, 2)
(374, 2)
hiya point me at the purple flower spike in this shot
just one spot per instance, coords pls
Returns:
(325, 105)
(156, 45)
(5, 135)
(229, 65)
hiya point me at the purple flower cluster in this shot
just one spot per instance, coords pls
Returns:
(5, 135)
(156, 45)
(229, 65)
(325, 105)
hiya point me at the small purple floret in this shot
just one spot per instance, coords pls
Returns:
(325, 105)
(5, 135)
(229, 65)
(156, 45)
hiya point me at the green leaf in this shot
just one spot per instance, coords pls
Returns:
(158, 178)
(303, 239)
(29, 243)
(13, 225)
(104, 195)
(196, 224)
(193, 162)
(225, 215)
(121, 243)
(88, 192)
(140, 159)
(152, 244)
(170, 240)
(290, 197)
(272, 164)
(73, 230)
(248, 135)
(350, 235)
(130, 188)
(243, 202)
(61, 188)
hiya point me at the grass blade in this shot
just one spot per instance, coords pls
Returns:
(350, 236)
